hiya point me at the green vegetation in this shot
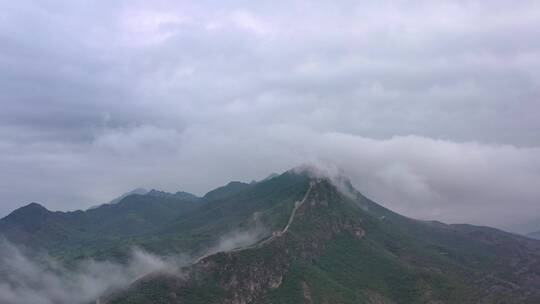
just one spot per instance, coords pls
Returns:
(159, 223)
(339, 248)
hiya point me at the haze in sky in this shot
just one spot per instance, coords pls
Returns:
(430, 107)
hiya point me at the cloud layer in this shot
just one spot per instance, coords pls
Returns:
(430, 108)
(38, 279)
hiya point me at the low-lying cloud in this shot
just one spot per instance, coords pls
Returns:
(488, 184)
(431, 107)
(239, 238)
(39, 279)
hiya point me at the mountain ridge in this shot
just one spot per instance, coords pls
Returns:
(437, 263)
(323, 242)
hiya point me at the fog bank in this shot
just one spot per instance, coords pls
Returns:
(39, 279)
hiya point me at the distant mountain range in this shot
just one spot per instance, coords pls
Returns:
(322, 242)
(134, 191)
(121, 197)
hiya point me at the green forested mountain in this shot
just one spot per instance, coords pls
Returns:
(79, 234)
(323, 242)
(158, 221)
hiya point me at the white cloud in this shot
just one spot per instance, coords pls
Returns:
(144, 27)
(39, 279)
(250, 22)
(430, 107)
(417, 176)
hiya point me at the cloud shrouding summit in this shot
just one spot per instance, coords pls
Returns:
(431, 108)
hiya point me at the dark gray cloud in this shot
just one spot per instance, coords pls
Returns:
(431, 107)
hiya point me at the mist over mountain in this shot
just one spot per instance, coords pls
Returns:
(315, 152)
(134, 191)
(304, 236)
(535, 235)
(431, 107)
(119, 198)
(28, 277)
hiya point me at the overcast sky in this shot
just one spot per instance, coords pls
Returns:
(430, 107)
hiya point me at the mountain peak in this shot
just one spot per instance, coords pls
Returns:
(182, 195)
(158, 193)
(229, 189)
(321, 172)
(305, 234)
(317, 217)
(34, 205)
(134, 191)
(32, 208)
(30, 216)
